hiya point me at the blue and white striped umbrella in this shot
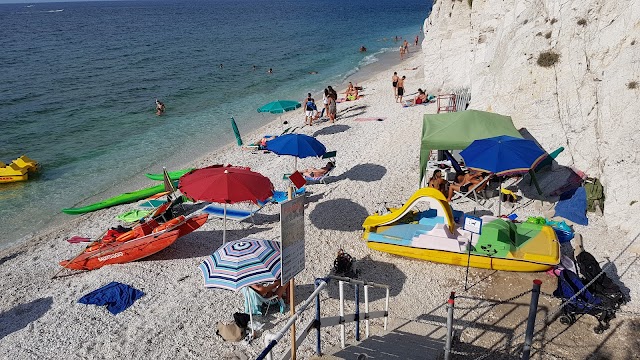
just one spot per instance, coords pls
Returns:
(240, 263)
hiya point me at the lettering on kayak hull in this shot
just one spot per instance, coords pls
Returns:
(111, 256)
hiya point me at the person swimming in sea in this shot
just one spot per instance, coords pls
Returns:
(363, 49)
(159, 107)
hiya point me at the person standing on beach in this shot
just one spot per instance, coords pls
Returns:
(417, 39)
(400, 89)
(401, 52)
(406, 47)
(394, 82)
(333, 103)
(331, 106)
(325, 101)
(309, 109)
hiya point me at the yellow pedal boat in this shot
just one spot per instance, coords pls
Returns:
(18, 170)
(433, 235)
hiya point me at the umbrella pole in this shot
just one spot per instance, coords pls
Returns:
(295, 163)
(500, 199)
(251, 316)
(224, 230)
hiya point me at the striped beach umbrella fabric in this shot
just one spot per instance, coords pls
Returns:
(241, 263)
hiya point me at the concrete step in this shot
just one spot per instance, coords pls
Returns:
(407, 340)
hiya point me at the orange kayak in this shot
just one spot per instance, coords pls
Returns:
(143, 240)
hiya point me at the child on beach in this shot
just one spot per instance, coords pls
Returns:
(310, 110)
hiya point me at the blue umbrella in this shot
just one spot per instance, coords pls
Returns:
(503, 155)
(298, 145)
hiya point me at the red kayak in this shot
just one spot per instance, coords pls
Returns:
(143, 240)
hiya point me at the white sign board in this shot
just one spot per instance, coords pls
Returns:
(472, 224)
(292, 235)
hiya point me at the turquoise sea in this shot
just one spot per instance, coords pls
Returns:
(79, 80)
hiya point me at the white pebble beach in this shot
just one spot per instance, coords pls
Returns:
(377, 163)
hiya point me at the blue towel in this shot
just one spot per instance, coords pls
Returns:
(118, 297)
(573, 206)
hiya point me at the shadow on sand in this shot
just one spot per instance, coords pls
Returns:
(338, 214)
(363, 172)
(22, 315)
(368, 270)
(330, 130)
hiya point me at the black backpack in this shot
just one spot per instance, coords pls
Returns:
(604, 288)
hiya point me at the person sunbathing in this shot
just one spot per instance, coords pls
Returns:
(438, 182)
(315, 173)
(260, 144)
(351, 93)
(421, 98)
(275, 288)
(466, 181)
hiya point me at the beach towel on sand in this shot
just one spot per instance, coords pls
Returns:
(117, 296)
(573, 206)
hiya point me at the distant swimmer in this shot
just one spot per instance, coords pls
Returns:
(159, 107)
(270, 71)
(363, 49)
(254, 68)
(221, 66)
(313, 72)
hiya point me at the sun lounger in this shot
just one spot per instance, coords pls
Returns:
(232, 212)
(282, 196)
(475, 193)
(331, 156)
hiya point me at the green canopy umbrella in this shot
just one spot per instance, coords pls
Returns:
(457, 130)
(280, 106)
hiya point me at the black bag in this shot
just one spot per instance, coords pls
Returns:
(343, 264)
(603, 287)
(241, 319)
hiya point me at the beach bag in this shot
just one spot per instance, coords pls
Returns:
(241, 319)
(230, 332)
(595, 194)
(603, 287)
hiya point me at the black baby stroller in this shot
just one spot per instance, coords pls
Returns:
(592, 300)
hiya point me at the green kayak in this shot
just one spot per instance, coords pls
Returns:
(118, 200)
(173, 175)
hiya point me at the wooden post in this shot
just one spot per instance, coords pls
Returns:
(292, 298)
(292, 305)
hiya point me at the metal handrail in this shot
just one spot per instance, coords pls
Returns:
(271, 340)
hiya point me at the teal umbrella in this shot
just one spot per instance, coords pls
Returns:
(236, 131)
(280, 106)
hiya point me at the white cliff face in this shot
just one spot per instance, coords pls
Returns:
(585, 102)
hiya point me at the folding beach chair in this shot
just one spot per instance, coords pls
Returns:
(254, 303)
(331, 156)
(475, 193)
